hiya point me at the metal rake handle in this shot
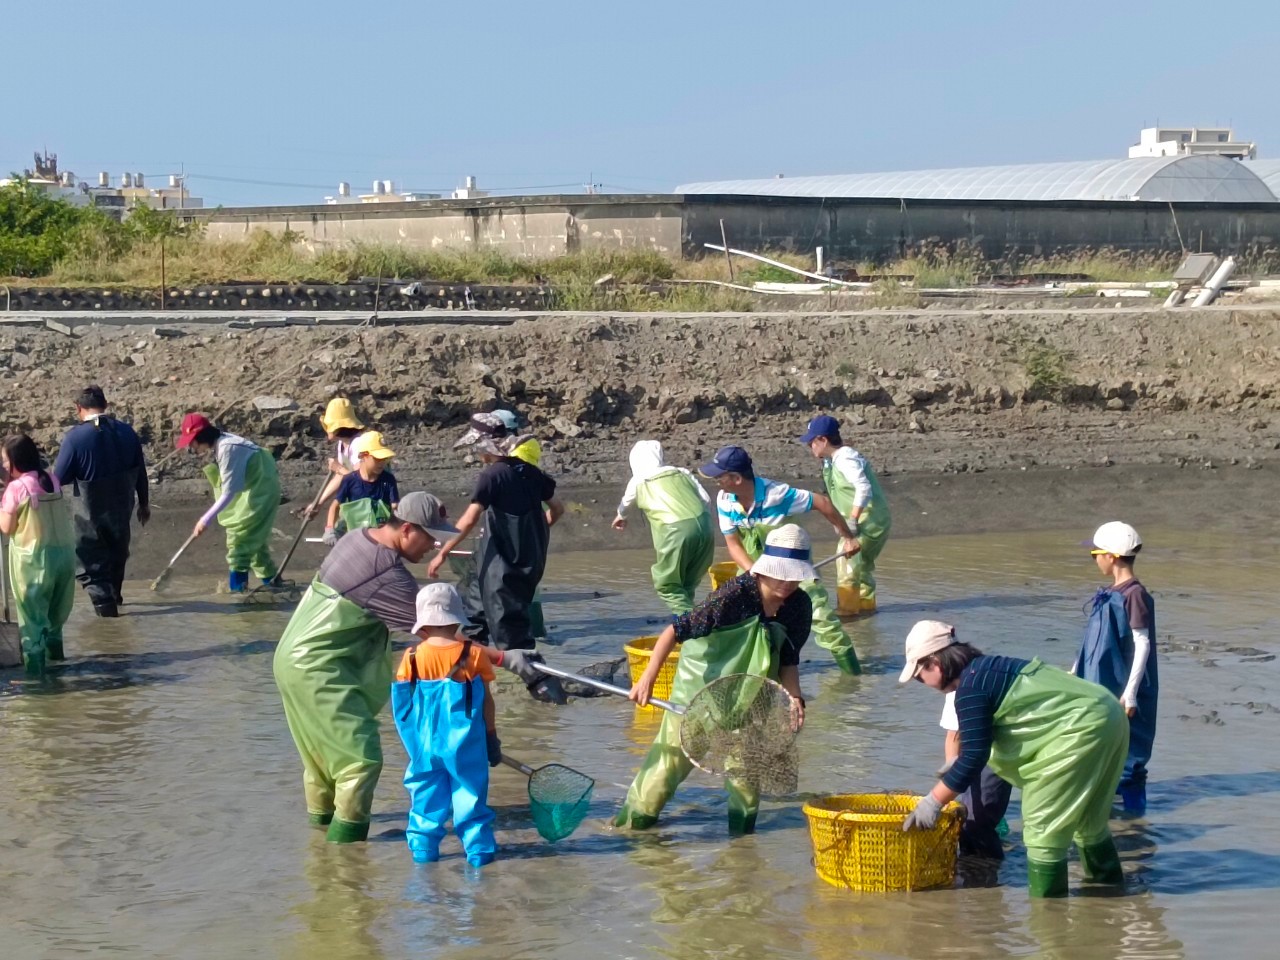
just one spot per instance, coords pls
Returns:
(606, 687)
(517, 765)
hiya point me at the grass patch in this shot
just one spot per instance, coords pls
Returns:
(1046, 367)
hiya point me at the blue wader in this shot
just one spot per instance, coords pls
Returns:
(442, 725)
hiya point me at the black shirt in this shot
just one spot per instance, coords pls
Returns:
(739, 600)
(512, 486)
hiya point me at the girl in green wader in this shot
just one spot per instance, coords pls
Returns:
(855, 490)
(675, 505)
(36, 516)
(1060, 739)
(247, 491)
(756, 623)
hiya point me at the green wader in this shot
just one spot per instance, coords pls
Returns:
(828, 631)
(333, 670)
(42, 569)
(364, 513)
(681, 529)
(747, 647)
(1063, 742)
(249, 516)
(856, 575)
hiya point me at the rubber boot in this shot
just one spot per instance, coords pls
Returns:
(344, 831)
(1101, 862)
(635, 821)
(868, 604)
(238, 581)
(480, 859)
(320, 819)
(429, 853)
(53, 650)
(741, 824)
(1134, 798)
(106, 609)
(1047, 879)
(847, 661)
(848, 602)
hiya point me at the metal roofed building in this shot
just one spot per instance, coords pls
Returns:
(1179, 179)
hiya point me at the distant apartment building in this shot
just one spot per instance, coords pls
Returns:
(1186, 141)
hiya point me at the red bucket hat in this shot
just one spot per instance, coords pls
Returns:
(192, 424)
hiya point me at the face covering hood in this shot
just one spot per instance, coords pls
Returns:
(646, 459)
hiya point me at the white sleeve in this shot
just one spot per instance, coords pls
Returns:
(949, 719)
(628, 497)
(1141, 653)
(854, 470)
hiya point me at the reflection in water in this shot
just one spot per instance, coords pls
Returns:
(149, 792)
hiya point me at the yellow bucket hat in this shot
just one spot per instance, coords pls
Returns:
(339, 414)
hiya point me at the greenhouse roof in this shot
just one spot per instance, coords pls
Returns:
(1268, 171)
(1182, 179)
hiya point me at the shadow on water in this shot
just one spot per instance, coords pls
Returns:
(979, 602)
(574, 596)
(72, 680)
(202, 606)
(1180, 791)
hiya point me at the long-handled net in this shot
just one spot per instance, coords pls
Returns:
(739, 726)
(559, 797)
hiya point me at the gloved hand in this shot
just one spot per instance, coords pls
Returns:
(521, 663)
(925, 815)
(330, 538)
(494, 746)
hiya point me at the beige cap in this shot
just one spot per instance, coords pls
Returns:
(927, 637)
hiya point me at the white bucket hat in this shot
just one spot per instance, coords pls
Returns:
(439, 605)
(1117, 538)
(926, 638)
(788, 555)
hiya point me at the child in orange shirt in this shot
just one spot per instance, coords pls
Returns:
(443, 708)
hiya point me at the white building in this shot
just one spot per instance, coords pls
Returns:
(1182, 141)
(384, 191)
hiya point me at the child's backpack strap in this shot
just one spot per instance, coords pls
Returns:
(464, 658)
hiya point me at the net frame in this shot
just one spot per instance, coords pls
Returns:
(744, 727)
(559, 799)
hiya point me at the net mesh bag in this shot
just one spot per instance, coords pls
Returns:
(271, 593)
(744, 727)
(558, 799)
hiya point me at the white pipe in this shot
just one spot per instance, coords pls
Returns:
(1175, 298)
(1216, 283)
(784, 266)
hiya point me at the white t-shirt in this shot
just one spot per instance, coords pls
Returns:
(949, 720)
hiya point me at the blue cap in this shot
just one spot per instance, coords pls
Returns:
(728, 460)
(823, 426)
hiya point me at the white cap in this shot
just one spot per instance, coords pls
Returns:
(439, 605)
(788, 555)
(926, 638)
(1117, 538)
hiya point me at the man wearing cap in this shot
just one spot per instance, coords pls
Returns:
(855, 491)
(368, 495)
(748, 507)
(511, 552)
(755, 623)
(246, 490)
(101, 457)
(1060, 739)
(1119, 651)
(341, 428)
(333, 666)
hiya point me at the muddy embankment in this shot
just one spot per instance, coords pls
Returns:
(979, 394)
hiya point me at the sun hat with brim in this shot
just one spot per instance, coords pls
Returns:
(339, 414)
(192, 424)
(926, 638)
(788, 555)
(508, 418)
(1116, 538)
(371, 443)
(439, 605)
(426, 511)
(482, 426)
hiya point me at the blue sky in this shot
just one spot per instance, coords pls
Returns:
(639, 97)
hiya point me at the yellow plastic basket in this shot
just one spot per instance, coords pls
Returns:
(722, 573)
(638, 653)
(859, 843)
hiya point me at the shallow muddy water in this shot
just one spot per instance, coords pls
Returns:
(153, 807)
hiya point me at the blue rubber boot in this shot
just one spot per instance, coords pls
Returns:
(1134, 798)
(238, 581)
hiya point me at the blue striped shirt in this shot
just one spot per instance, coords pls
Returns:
(774, 502)
(982, 688)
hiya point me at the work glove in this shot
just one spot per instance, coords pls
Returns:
(330, 538)
(494, 747)
(521, 663)
(925, 815)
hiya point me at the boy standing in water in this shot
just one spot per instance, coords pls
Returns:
(443, 707)
(368, 495)
(1119, 651)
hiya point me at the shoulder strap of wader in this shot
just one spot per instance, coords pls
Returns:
(461, 664)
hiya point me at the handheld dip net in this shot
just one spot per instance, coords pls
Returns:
(739, 726)
(559, 797)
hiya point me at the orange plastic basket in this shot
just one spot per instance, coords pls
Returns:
(722, 573)
(638, 653)
(859, 843)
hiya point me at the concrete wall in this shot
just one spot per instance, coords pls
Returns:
(855, 229)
